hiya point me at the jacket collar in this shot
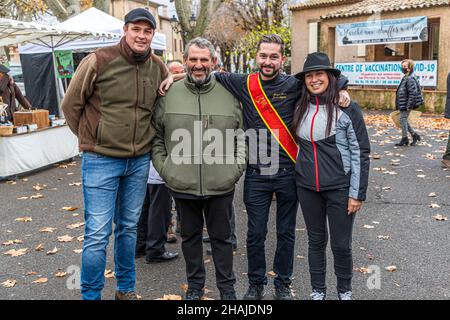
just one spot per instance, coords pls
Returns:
(205, 88)
(129, 55)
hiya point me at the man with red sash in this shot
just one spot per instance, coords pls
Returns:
(268, 101)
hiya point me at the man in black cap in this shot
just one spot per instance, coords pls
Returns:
(9, 92)
(109, 106)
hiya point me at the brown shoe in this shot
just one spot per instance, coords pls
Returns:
(131, 295)
(446, 163)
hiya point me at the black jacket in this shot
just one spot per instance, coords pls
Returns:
(409, 95)
(447, 104)
(337, 160)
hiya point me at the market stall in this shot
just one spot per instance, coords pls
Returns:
(22, 153)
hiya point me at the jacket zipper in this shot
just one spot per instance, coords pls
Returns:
(316, 163)
(135, 111)
(201, 140)
(143, 88)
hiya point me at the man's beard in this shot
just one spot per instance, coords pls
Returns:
(274, 71)
(196, 81)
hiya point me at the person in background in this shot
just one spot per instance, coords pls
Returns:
(175, 67)
(9, 92)
(331, 171)
(446, 157)
(154, 222)
(408, 97)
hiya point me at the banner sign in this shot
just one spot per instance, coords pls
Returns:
(412, 29)
(387, 73)
(64, 64)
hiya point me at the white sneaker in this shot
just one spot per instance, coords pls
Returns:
(345, 295)
(317, 295)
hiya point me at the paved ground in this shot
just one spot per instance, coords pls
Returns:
(398, 207)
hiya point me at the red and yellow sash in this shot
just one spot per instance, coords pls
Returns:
(271, 117)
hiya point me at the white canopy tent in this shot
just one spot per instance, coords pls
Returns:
(13, 32)
(97, 20)
(88, 30)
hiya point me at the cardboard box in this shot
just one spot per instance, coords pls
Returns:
(39, 117)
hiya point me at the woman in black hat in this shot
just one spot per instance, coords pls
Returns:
(9, 92)
(332, 171)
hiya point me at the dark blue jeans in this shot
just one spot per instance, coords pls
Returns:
(258, 192)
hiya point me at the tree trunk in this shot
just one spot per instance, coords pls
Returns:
(203, 16)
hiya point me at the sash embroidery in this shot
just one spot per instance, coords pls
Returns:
(271, 117)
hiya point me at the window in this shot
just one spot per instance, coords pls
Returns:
(313, 37)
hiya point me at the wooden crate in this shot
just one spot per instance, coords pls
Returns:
(6, 131)
(40, 117)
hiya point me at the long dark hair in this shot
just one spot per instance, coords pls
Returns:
(330, 96)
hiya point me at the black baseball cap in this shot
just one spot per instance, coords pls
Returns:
(3, 69)
(140, 14)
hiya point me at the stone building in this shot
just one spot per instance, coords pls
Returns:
(314, 24)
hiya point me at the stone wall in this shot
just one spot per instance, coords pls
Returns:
(384, 99)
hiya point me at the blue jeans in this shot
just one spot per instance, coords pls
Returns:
(113, 189)
(258, 192)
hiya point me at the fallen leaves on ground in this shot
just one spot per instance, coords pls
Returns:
(11, 182)
(75, 225)
(109, 274)
(184, 287)
(207, 261)
(47, 229)
(368, 226)
(300, 257)
(54, 251)
(60, 274)
(65, 238)
(31, 273)
(76, 184)
(440, 217)
(37, 196)
(69, 208)
(376, 156)
(22, 198)
(421, 176)
(271, 274)
(39, 187)
(434, 206)
(381, 237)
(171, 297)
(432, 194)
(24, 219)
(80, 238)
(78, 251)
(10, 242)
(39, 247)
(16, 253)
(391, 268)
(363, 270)
(9, 283)
(40, 280)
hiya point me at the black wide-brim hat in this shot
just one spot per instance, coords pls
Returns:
(3, 69)
(317, 61)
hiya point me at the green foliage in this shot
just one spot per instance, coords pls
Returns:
(250, 41)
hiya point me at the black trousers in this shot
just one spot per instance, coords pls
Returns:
(317, 207)
(216, 211)
(258, 193)
(154, 221)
